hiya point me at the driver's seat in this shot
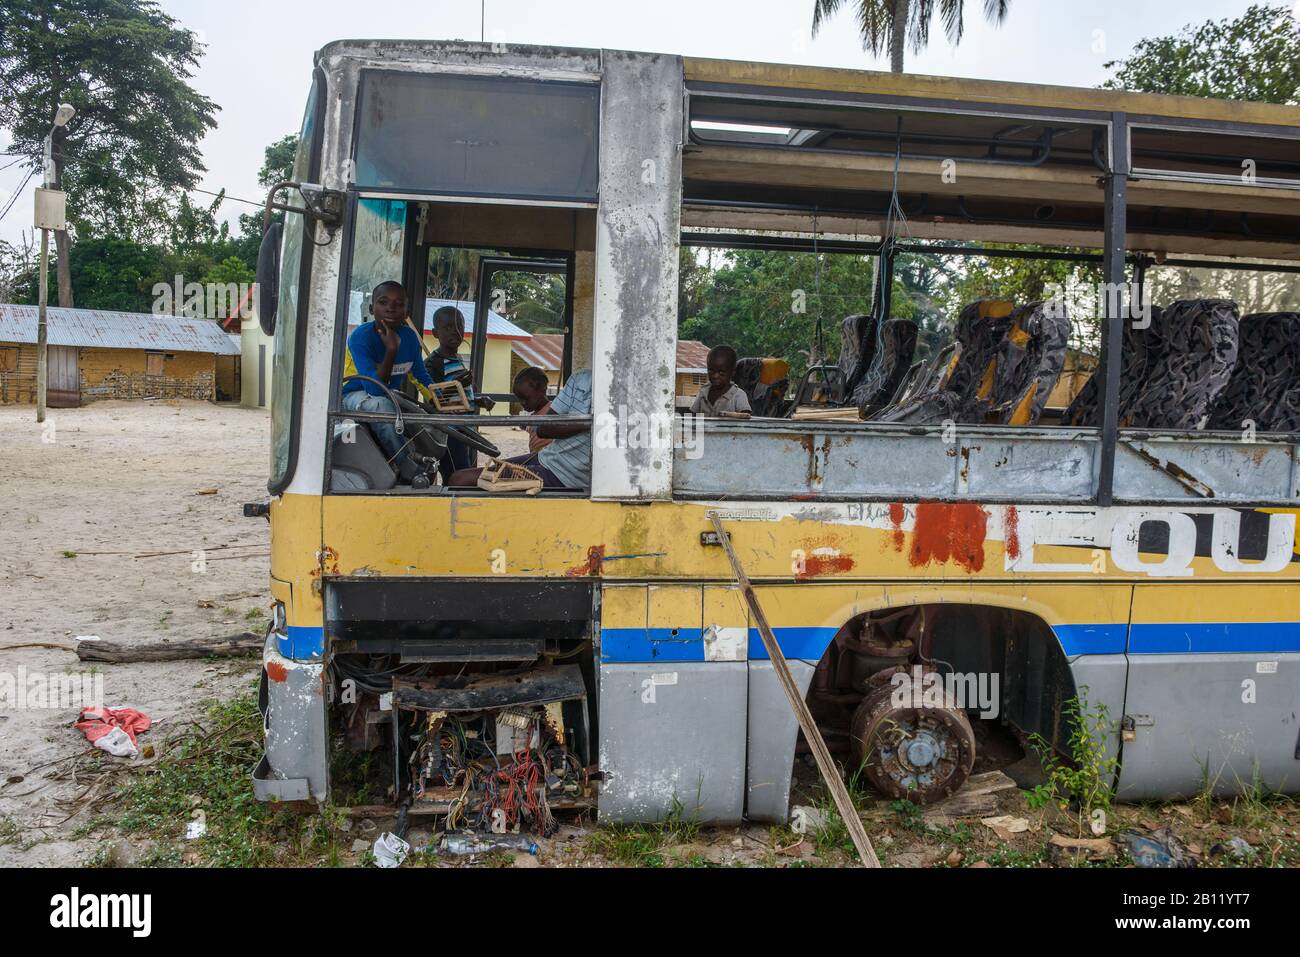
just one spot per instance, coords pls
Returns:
(357, 463)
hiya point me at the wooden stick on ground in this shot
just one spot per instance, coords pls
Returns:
(118, 652)
(830, 773)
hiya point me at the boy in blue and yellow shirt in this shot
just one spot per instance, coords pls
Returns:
(386, 349)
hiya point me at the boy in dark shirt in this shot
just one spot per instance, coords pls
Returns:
(388, 350)
(446, 365)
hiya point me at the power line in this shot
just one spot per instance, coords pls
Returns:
(14, 198)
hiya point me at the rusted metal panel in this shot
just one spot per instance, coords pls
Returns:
(849, 460)
(780, 459)
(116, 330)
(1212, 467)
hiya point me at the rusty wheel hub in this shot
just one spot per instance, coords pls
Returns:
(917, 753)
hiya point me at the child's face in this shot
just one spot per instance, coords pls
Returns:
(450, 334)
(389, 307)
(720, 372)
(530, 396)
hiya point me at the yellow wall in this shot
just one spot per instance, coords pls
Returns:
(19, 386)
(120, 374)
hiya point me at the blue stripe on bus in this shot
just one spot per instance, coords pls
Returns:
(651, 644)
(302, 641)
(629, 645)
(1091, 639)
(1256, 637)
(809, 643)
(804, 644)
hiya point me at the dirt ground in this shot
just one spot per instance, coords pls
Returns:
(86, 493)
(102, 487)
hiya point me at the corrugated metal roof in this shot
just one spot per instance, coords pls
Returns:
(546, 352)
(100, 329)
(692, 356)
(499, 327)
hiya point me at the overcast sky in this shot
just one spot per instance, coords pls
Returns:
(259, 52)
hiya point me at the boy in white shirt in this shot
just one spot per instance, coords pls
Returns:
(722, 397)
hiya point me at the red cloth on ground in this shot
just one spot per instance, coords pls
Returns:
(97, 722)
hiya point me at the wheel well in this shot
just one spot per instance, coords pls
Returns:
(1033, 678)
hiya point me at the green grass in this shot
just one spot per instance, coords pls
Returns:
(214, 767)
(642, 845)
(8, 830)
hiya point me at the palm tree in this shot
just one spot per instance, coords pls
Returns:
(891, 23)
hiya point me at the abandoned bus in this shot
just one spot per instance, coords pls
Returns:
(972, 503)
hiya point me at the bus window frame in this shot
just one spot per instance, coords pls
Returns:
(276, 485)
(419, 250)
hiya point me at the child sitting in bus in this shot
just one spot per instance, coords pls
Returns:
(445, 364)
(722, 397)
(566, 461)
(530, 389)
(387, 350)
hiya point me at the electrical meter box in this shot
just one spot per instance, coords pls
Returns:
(51, 209)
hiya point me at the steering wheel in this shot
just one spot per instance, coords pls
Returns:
(399, 426)
(471, 437)
(465, 433)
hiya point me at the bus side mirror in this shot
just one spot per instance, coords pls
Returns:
(268, 277)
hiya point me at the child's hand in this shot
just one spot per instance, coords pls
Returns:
(390, 337)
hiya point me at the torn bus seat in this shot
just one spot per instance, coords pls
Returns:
(953, 390)
(1028, 363)
(892, 360)
(1193, 355)
(1265, 383)
(980, 328)
(857, 349)
(1135, 357)
(765, 382)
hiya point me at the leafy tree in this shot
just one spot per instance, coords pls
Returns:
(134, 142)
(892, 24)
(232, 269)
(277, 164)
(1255, 57)
(768, 303)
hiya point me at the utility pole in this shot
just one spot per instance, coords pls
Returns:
(50, 214)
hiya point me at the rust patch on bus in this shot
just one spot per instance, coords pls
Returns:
(595, 561)
(896, 515)
(831, 561)
(949, 533)
(1012, 523)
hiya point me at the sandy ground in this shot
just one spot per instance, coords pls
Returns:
(110, 482)
(121, 478)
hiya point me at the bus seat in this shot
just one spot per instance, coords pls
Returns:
(1265, 383)
(1195, 351)
(980, 328)
(765, 382)
(961, 370)
(356, 461)
(892, 360)
(1135, 356)
(857, 349)
(1028, 363)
